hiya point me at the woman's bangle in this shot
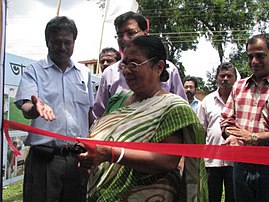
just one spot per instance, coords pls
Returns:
(121, 155)
(112, 155)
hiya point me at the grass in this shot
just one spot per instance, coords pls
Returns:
(13, 193)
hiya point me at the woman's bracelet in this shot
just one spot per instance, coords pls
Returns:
(112, 155)
(121, 155)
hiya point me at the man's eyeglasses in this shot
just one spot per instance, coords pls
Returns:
(258, 56)
(129, 33)
(134, 65)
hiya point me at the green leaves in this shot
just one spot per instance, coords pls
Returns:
(181, 23)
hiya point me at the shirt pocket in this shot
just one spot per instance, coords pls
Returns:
(81, 94)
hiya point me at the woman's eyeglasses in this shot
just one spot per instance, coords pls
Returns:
(134, 65)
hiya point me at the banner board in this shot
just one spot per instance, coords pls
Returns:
(13, 166)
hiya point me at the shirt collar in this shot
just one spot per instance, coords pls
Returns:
(49, 63)
(195, 100)
(118, 65)
(217, 96)
(250, 80)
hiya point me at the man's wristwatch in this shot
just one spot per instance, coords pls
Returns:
(254, 139)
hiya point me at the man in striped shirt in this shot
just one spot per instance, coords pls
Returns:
(245, 121)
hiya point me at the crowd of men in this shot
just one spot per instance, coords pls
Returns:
(237, 113)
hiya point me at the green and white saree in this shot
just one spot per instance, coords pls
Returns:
(151, 120)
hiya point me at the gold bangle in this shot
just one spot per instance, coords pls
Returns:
(121, 155)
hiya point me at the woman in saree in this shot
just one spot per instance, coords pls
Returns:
(145, 113)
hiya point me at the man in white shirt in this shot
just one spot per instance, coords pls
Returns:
(218, 171)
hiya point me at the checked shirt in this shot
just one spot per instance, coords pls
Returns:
(248, 105)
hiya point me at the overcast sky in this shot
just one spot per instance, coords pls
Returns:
(26, 21)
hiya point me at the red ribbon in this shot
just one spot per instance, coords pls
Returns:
(246, 154)
(16, 151)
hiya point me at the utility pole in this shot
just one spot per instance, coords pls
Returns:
(58, 7)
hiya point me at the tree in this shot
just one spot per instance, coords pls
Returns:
(211, 81)
(223, 22)
(181, 23)
(239, 59)
(166, 21)
(201, 85)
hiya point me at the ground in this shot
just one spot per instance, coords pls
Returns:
(13, 193)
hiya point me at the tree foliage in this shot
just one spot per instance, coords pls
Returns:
(239, 59)
(167, 21)
(181, 23)
(211, 81)
(201, 85)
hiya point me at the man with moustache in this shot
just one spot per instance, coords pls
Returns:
(128, 26)
(190, 86)
(218, 171)
(107, 57)
(56, 94)
(245, 121)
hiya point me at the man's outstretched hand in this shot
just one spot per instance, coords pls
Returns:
(44, 110)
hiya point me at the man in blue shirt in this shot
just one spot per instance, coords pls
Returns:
(57, 95)
(190, 86)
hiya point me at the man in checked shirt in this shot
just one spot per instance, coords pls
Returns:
(245, 121)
